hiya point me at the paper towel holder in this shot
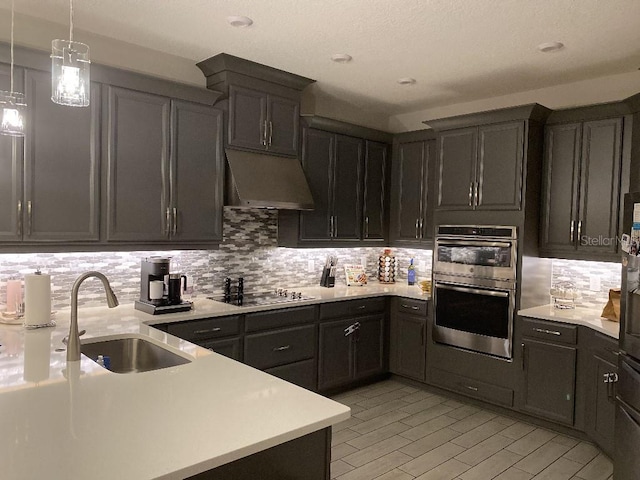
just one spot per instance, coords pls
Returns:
(51, 323)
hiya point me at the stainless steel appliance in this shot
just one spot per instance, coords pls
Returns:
(474, 287)
(154, 288)
(627, 430)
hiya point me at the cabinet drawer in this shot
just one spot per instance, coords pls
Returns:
(605, 347)
(473, 388)
(229, 347)
(550, 331)
(279, 318)
(411, 306)
(208, 328)
(270, 349)
(300, 373)
(350, 308)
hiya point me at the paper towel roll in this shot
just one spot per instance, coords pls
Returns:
(14, 295)
(37, 299)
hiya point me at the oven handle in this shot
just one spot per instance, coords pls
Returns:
(442, 242)
(480, 291)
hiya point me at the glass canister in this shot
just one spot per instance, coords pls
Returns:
(564, 295)
(387, 267)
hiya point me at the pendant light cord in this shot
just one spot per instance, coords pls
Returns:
(70, 21)
(12, 8)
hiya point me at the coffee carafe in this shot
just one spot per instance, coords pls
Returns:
(176, 287)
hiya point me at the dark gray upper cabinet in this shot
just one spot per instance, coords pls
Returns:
(196, 172)
(375, 191)
(137, 153)
(582, 188)
(11, 166)
(169, 186)
(62, 148)
(480, 168)
(333, 165)
(412, 193)
(262, 121)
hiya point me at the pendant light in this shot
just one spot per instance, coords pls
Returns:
(70, 75)
(12, 103)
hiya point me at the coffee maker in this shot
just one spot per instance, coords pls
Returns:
(155, 295)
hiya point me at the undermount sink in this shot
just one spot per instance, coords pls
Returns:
(131, 353)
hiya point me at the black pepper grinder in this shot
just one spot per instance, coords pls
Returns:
(240, 290)
(227, 290)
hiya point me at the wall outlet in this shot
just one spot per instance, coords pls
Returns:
(363, 262)
(311, 266)
(594, 283)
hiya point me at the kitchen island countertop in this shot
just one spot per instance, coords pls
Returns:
(579, 316)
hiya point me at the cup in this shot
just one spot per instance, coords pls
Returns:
(156, 289)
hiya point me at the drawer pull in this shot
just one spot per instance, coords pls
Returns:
(548, 332)
(615, 352)
(412, 307)
(282, 348)
(362, 307)
(474, 389)
(208, 330)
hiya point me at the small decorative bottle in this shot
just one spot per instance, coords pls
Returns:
(411, 274)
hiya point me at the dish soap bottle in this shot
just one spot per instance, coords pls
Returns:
(411, 274)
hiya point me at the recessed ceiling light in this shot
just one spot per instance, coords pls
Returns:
(550, 47)
(341, 58)
(239, 21)
(406, 81)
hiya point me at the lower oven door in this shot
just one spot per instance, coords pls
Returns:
(473, 317)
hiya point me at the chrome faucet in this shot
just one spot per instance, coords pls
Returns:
(73, 347)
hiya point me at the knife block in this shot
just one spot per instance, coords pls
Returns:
(328, 278)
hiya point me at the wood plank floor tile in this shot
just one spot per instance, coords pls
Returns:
(376, 468)
(600, 468)
(582, 453)
(531, 441)
(368, 439)
(445, 471)
(492, 466)
(431, 459)
(428, 443)
(483, 450)
(542, 457)
(561, 469)
(377, 450)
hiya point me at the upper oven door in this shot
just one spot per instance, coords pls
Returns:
(476, 258)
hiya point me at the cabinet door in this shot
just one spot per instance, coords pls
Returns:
(284, 123)
(197, 172)
(600, 186)
(601, 407)
(247, 118)
(229, 347)
(347, 188)
(456, 168)
(369, 346)
(317, 156)
(408, 194)
(137, 138)
(62, 166)
(499, 168)
(335, 360)
(560, 186)
(428, 193)
(375, 167)
(549, 380)
(11, 148)
(408, 340)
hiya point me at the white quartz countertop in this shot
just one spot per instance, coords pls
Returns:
(78, 421)
(579, 316)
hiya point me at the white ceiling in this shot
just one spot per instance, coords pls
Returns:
(457, 50)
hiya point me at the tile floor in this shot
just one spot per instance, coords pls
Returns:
(398, 432)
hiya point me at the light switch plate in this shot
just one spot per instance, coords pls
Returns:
(594, 283)
(311, 266)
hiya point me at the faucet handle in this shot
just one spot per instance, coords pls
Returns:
(65, 340)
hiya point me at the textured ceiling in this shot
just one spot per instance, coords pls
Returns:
(457, 50)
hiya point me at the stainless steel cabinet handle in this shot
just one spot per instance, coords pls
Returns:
(475, 193)
(548, 332)
(335, 226)
(331, 226)
(29, 217)
(270, 132)
(207, 330)
(175, 220)
(282, 348)
(421, 229)
(523, 350)
(350, 329)
(469, 387)
(167, 222)
(19, 218)
(264, 133)
(571, 229)
(412, 307)
(417, 226)
(361, 307)
(366, 227)
(579, 232)
(470, 194)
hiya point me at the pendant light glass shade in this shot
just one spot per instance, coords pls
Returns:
(70, 74)
(13, 112)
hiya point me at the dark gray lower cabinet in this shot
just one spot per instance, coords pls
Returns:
(350, 349)
(220, 334)
(229, 347)
(549, 380)
(408, 338)
(302, 373)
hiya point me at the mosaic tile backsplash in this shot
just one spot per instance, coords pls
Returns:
(249, 249)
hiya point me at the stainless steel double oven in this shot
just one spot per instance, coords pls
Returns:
(474, 287)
